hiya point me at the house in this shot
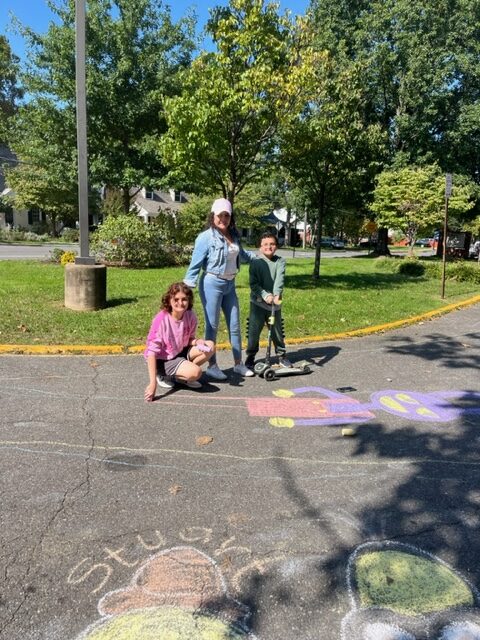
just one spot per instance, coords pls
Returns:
(150, 203)
(288, 225)
(9, 216)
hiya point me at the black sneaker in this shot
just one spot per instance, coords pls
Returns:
(250, 362)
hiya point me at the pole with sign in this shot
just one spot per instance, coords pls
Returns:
(448, 193)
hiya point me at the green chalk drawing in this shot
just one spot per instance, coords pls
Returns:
(408, 584)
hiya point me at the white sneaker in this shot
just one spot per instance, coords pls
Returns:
(242, 370)
(166, 383)
(194, 384)
(215, 372)
(285, 362)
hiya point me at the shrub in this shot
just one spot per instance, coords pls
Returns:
(70, 235)
(127, 241)
(56, 254)
(66, 257)
(386, 263)
(411, 267)
(463, 271)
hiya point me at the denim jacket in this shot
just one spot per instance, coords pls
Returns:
(210, 253)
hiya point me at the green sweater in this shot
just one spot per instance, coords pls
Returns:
(266, 277)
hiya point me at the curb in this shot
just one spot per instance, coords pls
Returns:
(116, 349)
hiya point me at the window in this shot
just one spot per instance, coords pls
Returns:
(149, 195)
(34, 216)
(177, 196)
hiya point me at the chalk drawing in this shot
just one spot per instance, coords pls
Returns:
(335, 408)
(319, 406)
(177, 594)
(400, 592)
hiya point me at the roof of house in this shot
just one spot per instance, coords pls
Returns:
(161, 201)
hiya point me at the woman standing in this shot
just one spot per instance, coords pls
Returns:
(217, 253)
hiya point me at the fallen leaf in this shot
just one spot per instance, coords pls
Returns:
(238, 518)
(174, 489)
(94, 364)
(22, 327)
(201, 441)
(226, 563)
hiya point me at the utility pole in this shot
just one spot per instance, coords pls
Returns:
(85, 282)
(448, 193)
(81, 99)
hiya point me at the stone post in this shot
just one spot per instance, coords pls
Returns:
(85, 286)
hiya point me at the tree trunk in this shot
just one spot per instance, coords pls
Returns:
(318, 239)
(126, 199)
(382, 242)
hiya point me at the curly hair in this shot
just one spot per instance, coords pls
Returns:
(172, 290)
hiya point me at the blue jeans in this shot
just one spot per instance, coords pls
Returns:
(217, 294)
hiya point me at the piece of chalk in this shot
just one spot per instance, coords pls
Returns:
(203, 347)
(348, 431)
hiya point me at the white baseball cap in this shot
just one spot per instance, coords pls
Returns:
(222, 205)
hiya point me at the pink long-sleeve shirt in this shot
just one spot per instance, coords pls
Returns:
(168, 337)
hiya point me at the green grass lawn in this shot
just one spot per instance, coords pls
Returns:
(351, 294)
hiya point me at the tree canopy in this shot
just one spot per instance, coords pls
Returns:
(134, 52)
(10, 92)
(413, 199)
(222, 131)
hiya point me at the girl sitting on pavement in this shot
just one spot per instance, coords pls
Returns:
(173, 354)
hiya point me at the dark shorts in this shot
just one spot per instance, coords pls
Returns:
(169, 368)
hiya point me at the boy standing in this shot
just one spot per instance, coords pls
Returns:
(267, 276)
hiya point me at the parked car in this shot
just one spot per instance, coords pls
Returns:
(474, 251)
(367, 244)
(332, 243)
(424, 242)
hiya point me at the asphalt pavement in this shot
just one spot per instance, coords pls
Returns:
(240, 510)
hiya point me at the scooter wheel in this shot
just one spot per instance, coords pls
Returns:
(259, 368)
(269, 375)
(307, 369)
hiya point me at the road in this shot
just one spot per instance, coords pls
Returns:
(240, 510)
(28, 252)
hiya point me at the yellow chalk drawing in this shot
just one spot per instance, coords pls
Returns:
(423, 411)
(283, 393)
(282, 422)
(166, 623)
(389, 402)
(178, 594)
(404, 397)
(408, 584)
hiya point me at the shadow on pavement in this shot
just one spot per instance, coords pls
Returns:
(427, 526)
(444, 350)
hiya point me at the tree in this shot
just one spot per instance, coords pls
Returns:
(45, 176)
(10, 93)
(419, 63)
(328, 150)
(223, 127)
(413, 199)
(134, 52)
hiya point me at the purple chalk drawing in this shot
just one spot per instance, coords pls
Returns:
(427, 407)
(333, 408)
